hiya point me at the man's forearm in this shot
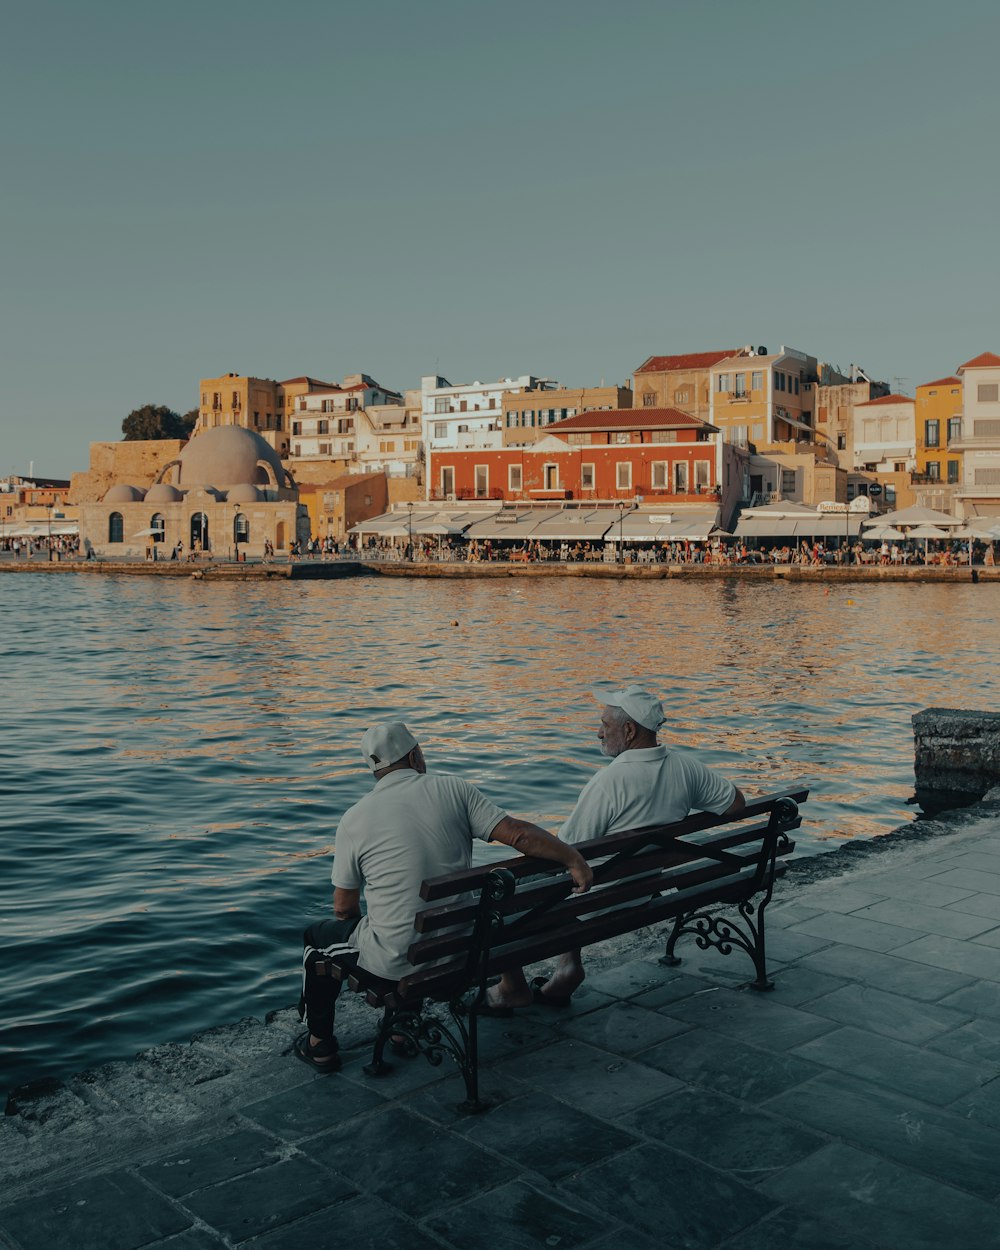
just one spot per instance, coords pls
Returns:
(536, 842)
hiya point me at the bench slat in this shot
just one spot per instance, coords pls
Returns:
(466, 879)
(534, 895)
(555, 941)
(563, 910)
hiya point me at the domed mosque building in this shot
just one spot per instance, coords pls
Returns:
(226, 491)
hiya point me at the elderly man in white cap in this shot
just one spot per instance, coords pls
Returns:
(411, 826)
(645, 784)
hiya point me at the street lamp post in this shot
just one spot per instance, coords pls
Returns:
(409, 523)
(621, 530)
(50, 532)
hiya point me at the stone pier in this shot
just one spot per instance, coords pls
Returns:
(956, 755)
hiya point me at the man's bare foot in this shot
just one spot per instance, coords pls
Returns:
(563, 983)
(512, 991)
(497, 998)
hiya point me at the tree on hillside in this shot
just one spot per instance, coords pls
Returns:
(189, 421)
(153, 421)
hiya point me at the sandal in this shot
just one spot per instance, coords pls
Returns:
(323, 1056)
(559, 1001)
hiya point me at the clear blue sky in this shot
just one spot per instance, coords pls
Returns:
(482, 189)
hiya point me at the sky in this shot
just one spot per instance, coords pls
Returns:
(481, 190)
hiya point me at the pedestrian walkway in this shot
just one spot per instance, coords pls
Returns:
(858, 1105)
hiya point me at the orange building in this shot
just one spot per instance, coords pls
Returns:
(655, 455)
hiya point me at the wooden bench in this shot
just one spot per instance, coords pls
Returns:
(707, 876)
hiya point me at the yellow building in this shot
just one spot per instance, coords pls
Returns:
(258, 404)
(939, 432)
(765, 398)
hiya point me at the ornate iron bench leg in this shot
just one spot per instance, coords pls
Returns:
(378, 1066)
(757, 950)
(468, 1062)
(670, 960)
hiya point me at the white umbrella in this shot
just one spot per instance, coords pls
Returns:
(882, 533)
(146, 533)
(927, 532)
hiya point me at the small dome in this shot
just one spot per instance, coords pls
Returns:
(228, 456)
(123, 494)
(244, 493)
(163, 492)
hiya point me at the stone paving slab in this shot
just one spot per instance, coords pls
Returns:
(855, 1106)
(885, 1203)
(940, 1142)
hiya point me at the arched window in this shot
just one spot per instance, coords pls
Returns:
(157, 525)
(199, 530)
(241, 528)
(116, 528)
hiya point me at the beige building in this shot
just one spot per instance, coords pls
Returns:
(834, 405)
(225, 489)
(806, 477)
(681, 382)
(526, 414)
(885, 435)
(979, 493)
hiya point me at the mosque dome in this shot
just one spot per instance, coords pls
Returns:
(244, 493)
(229, 456)
(123, 494)
(163, 492)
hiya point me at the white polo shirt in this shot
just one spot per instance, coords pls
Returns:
(646, 786)
(411, 826)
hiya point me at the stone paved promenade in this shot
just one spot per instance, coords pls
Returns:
(857, 1105)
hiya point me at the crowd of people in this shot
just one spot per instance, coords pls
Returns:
(682, 551)
(33, 548)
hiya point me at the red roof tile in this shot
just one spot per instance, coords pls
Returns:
(693, 360)
(886, 399)
(943, 382)
(330, 386)
(629, 419)
(986, 361)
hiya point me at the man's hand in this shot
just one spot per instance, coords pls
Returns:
(582, 874)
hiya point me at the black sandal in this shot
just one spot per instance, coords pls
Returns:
(323, 1056)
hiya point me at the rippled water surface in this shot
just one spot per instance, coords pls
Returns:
(176, 754)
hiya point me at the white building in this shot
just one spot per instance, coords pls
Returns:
(469, 415)
(885, 435)
(979, 493)
(325, 424)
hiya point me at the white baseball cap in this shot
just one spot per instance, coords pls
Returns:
(638, 704)
(386, 744)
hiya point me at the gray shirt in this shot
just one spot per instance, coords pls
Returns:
(646, 786)
(411, 826)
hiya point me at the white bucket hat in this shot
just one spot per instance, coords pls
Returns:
(638, 704)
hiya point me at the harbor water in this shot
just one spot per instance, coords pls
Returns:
(176, 753)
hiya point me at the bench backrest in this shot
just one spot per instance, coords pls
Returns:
(488, 919)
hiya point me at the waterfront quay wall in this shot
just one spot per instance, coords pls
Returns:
(327, 570)
(956, 755)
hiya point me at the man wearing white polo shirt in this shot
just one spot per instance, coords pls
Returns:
(410, 827)
(645, 784)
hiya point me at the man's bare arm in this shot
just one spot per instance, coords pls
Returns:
(534, 841)
(737, 804)
(346, 903)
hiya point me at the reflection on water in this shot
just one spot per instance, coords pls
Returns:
(177, 754)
